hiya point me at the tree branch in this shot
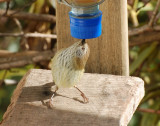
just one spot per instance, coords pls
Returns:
(149, 111)
(144, 38)
(136, 37)
(23, 7)
(7, 2)
(142, 29)
(27, 35)
(143, 5)
(29, 16)
(2, 80)
(18, 23)
(4, 52)
(23, 58)
(157, 17)
(1, 1)
(151, 22)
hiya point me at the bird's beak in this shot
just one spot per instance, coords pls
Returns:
(83, 41)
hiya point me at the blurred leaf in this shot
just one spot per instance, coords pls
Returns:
(3, 5)
(151, 95)
(135, 4)
(142, 56)
(153, 88)
(148, 7)
(20, 2)
(133, 54)
(136, 119)
(2, 94)
(16, 73)
(1, 115)
(151, 119)
(147, 79)
(14, 46)
(53, 3)
(37, 6)
(158, 123)
(5, 97)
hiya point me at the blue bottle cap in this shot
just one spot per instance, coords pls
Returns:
(86, 26)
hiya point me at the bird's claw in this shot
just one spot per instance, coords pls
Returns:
(51, 103)
(85, 99)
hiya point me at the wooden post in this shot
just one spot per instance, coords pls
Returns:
(109, 52)
(112, 101)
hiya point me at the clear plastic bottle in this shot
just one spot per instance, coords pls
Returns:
(85, 2)
(85, 18)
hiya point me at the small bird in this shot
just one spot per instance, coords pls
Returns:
(68, 66)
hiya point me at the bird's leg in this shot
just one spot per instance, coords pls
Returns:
(51, 99)
(86, 100)
(54, 93)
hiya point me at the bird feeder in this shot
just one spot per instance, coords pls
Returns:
(85, 18)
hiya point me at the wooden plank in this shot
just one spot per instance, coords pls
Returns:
(112, 101)
(109, 52)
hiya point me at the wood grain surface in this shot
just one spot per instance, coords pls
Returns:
(112, 101)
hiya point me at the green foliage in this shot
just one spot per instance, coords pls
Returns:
(14, 44)
(151, 119)
(142, 56)
(7, 90)
(145, 63)
(136, 119)
(5, 95)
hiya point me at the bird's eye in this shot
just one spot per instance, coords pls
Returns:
(83, 48)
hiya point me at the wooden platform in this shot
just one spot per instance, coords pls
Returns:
(112, 101)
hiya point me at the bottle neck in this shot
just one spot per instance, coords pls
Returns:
(85, 11)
